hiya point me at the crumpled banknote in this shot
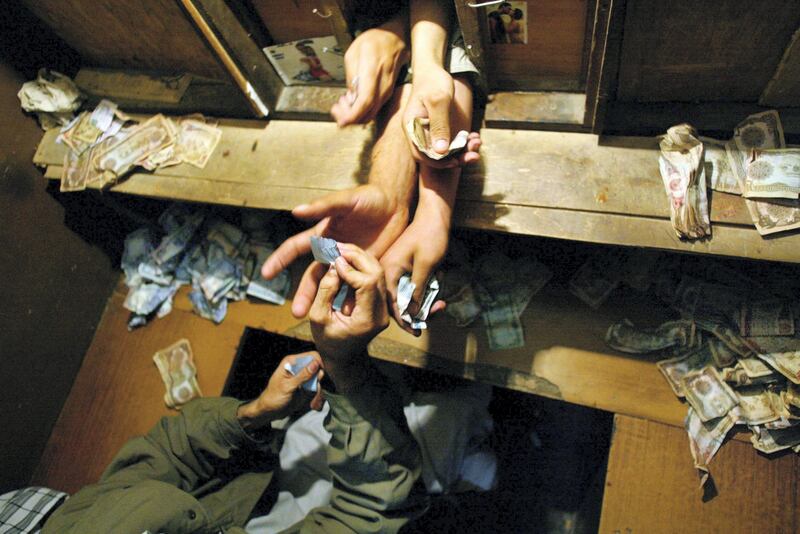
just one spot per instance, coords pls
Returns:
(326, 251)
(179, 374)
(300, 363)
(53, 96)
(405, 291)
(419, 132)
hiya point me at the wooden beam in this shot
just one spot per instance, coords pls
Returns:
(563, 185)
(783, 90)
(536, 111)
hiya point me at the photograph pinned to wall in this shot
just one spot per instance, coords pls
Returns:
(508, 23)
(308, 61)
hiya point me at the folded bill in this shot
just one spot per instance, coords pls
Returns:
(419, 132)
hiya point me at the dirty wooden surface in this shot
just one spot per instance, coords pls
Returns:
(564, 185)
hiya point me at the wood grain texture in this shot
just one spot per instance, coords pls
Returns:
(553, 56)
(783, 90)
(291, 20)
(565, 185)
(688, 50)
(152, 35)
(652, 487)
(535, 109)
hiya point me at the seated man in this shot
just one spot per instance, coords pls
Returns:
(208, 469)
(401, 181)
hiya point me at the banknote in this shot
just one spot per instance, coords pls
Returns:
(215, 312)
(175, 243)
(754, 368)
(708, 394)
(674, 369)
(419, 132)
(275, 290)
(755, 405)
(503, 326)
(464, 306)
(680, 163)
(196, 141)
(706, 437)
(325, 251)
(773, 174)
(721, 354)
(138, 246)
(786, 363)
(176, 365)
(717, 168)
(762, 131)
(625, 337)
(145, 139)
(770, 441)
(773, 317)
(595, 280)
(146, 298)
(73, 174)
(737, 376)
(405, 291)
(717, 327)
(222, 276)
(300, 363)
(53, 96)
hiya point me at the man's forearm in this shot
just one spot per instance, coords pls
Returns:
(430, 23)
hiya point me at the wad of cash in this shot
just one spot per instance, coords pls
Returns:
(176, 365)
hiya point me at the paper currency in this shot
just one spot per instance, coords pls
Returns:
(595, 280)
(464, 306)
(786, 363)
(726, 335)
(721, 354)
(213, 311)
(419, 132)
(196, 142)
(275, 290)
(146, 298)
(762, 131)
(326, 251)
(680, 163)
(503, 326)
(625, 337)
(176, 365)
(53, 96)
(774, 317)
(773, 174)
(717, 168)
(674, 369)
(705, 438)
(147, 138)
(708, 394)
(696, 298)
(770, 441)
(300, 363)
(755, 405)
(138, 246)
(405, 291)
(73, 175)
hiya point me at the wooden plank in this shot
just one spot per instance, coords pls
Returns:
(291, 20)
(535, 109)
(563, 185)
(783, 90)
(601, 78)
(652, 487)
(152, 35)
(552, 58)
(689, 51)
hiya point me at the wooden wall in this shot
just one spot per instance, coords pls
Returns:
(703, 50)
(54, 289)
(151, 35)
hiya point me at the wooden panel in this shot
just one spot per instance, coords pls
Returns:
(553, 56)
(535, 110)
(565, 185)
(153, 35)
(652, 487)
(690, 50)
(783, 90)
(603, 62)
(291, 20)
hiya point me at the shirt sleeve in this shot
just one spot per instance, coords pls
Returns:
(375, 466)
(153, 480)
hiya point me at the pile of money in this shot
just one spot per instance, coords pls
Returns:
(493, 287)
(105, 144)
(220, 261)
(176, 365)
(754, 163)
(733, 355)
(681, 170)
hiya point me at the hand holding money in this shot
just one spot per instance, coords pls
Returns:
(284, 394)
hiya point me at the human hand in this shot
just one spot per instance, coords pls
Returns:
(339, 337)
(365, 215)
(372, 64)
(418, 250)
(283, 395)
(434, 96)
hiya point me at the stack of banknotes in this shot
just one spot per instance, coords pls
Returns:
(754, 163)
(219, 260)
(106, 144)
(732, 353)
(176, 365)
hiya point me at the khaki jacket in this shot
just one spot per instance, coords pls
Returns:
(200, 472)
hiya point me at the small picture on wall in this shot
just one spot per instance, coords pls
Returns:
(508, 23)
(308, 61)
